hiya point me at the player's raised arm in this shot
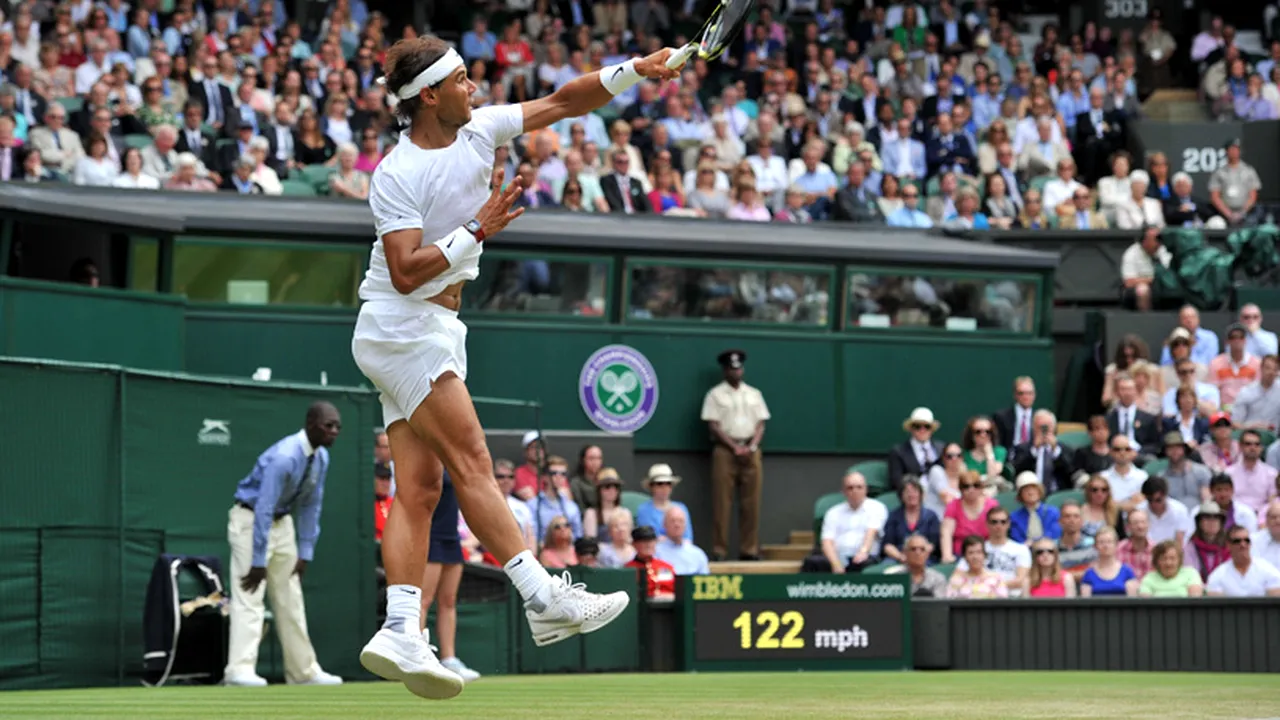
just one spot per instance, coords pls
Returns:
(412, 264)
(594, 90)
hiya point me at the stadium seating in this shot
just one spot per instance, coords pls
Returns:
(1156, 467)
(1008, 500)
(877, 474)
(1062, 496)
(1075, 439)
(820, 508)
(632, 500)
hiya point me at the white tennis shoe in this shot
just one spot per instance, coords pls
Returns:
(407, 658)
(573, 611)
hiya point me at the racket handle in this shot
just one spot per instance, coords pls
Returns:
(681, 56)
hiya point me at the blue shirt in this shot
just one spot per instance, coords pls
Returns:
(649, 515)
(545, 510)
(906, 217)
(1114, 586)
(1071, 105)
(1204, 393)
(686, 558)
(1020, 520)
(479, 47)
(1203, 351)
(276, 486)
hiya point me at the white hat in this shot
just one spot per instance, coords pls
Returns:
(529, 437)
(1027, 479)
(661, 472)
(920, 416)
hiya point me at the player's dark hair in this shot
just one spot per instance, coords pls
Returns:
(405, 60)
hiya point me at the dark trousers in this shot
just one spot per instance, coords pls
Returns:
(818, 563)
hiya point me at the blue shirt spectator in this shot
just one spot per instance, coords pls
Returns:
(1071, 104)
(1020, 520)
(1203, 350)
(649, 515)
(986, 109)
(685, 557)
(909, 218)
(1204, 393)
(288, 478)
(546, 509)
(479, 43)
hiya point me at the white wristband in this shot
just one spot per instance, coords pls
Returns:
(618, 79)
(456, 244)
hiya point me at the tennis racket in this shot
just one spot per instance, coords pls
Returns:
(722, 27)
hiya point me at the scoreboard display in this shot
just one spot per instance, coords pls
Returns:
(796, 622)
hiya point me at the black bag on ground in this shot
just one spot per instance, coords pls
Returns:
(186, 637)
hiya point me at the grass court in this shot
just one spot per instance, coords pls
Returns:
(949, 695)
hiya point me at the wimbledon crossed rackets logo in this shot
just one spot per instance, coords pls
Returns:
(618, 389)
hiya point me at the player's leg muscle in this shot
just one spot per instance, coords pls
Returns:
(419, 477)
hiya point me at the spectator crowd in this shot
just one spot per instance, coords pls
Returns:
(911, 115)
(1173, 492)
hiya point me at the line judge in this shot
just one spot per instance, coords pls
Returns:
(735, 413)
(287, 480)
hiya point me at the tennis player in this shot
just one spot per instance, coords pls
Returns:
(435, 200)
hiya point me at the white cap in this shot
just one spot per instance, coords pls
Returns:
(529, 437)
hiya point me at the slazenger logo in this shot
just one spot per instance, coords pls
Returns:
(215, 432)
(841, 640)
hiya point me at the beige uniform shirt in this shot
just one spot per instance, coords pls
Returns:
(737, 411)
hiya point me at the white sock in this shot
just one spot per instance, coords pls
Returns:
(530, 579)
(404, 608)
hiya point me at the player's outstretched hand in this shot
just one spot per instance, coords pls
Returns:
(655, 67)
(496, 213)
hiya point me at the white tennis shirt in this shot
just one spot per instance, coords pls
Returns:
(439, 191)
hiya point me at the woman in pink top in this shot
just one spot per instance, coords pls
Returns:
(557, 545)
(1046, 578)
(965, 516)
(748, 205)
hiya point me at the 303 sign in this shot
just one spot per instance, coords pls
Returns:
(1203, 160)
(1124, 9)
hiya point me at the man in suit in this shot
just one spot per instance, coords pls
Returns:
(59, 147)
(1042, 157)
(191, 136)
(856, 201)
(941, 102)
(949, 151)
(624, 193)
(919, 451)
(885, 130)
(214, 98)
(1142, 428)
(1082, 215)
(1044, 456)
(905, 156)
(229, 153)
(950, 27)
(867, 110)
(1181, 209)
(367, 71)
(1014, 423)
(27, 101)
(1119, 100)
(1098, 134)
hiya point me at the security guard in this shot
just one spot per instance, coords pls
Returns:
(735, 412)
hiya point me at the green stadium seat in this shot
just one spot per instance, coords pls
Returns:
(820, 508)
(632, 500)
(1062, 496)
(946, 569)
(221, 143)
(933, 188)
(891, 501)
(880, 568)
(1156, 467)
(1075, 440)
(1008, 500)
(72, 104)
(877, 474)
(318, 176)
(1038, 183)
(297, 188)
(137, 140)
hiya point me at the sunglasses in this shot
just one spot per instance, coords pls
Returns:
(952, 456)
(998, 522)
(505, 476)
(1120, 449)
(559, 526)
(982, 431)
(1045, 551)
(558, 473)
(970, 486)
(1099, 489)
(1241, 541)
(1251, 443)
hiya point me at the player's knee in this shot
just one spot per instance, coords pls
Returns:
(447, 601)
(471, 464)
(419, 493)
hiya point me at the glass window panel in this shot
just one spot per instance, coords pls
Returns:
(957, 304)
(790, 296)
(266, 272)
(144, 264)
(539, 286)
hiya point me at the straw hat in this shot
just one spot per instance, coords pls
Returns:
(921, 416)
(660, 473)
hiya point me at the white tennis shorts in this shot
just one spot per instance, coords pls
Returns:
(403, 347)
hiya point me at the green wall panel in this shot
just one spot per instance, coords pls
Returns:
(884, 380)
(69, 322)
(297, 344)
(19, 602)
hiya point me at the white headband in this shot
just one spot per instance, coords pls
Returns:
(437, 71)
